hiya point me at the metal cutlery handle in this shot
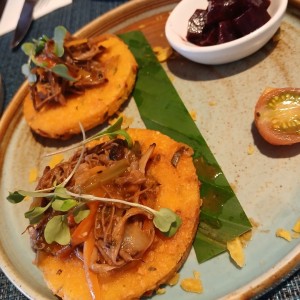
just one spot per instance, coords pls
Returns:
(24, 22)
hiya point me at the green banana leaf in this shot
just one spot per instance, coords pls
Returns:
(222, 218)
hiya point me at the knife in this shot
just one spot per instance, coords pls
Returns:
(2, 6)
(24, 22)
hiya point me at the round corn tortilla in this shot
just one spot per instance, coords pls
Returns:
(96, 104)
(179, 191)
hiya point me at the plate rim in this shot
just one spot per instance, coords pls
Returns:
(257, 287)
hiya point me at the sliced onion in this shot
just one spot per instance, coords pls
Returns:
(136, 240)
(144, 159)
(106, 176)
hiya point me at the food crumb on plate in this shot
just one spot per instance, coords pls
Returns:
(55, 159)
(33, 173)
(236, 251)
(296, 227)
(193, 115)
(283, 233)
(250, 150)
(192, 285)
(160, 291)
(161, 53)
(287, 235)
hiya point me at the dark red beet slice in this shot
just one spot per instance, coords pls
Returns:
(199, 32)
(210, 38)
(264, 4)
(251, 19)
(226, 20)
(227, 32)
(196, 25)
(218, 11)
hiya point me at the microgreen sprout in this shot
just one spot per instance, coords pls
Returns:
(59, 36)
(32, 50)
(57, 230)
(112, 132)
(66, 202)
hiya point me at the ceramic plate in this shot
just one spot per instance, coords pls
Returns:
(222, 98)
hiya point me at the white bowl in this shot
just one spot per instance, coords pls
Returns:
(176, 31)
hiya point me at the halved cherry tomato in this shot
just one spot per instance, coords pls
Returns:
(277, 116)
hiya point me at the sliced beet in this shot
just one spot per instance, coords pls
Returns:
(210, 38)
(227, 32)
(264, 4)
(198, 29)
(226, 20)
(197, 23)
(218, 11)
(251, 19)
